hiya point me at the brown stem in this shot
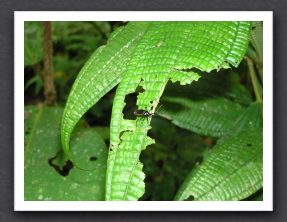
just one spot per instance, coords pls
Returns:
(255, 82)
(49, 89)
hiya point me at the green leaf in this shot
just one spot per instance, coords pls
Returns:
(256, 38)
(211, 45)
(100, 74)
(103, 131)
(167, 188)
(38, 83)
(147, 55)
(255, 51)
(233, 169)
(164, 50)
(251, 118)
(209, 107)
(48, 173)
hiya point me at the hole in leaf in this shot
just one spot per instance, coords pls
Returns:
(64, 171)
(27, 131)
(121, 133)
(130, 101)
(190, 198)
(248, 144)
(254, 27)
(112, 147)
(93, 158)
(140, 89)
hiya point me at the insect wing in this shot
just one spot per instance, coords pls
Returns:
(139, 112)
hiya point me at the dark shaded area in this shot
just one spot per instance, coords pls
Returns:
(107, 142)
(170, 159)
(130, 103)
(254, 27)
(199, 160)
(257, 196)
(190, 198)
(93, 158)
(100, 113)
(66, 168)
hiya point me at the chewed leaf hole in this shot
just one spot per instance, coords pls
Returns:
(190, 198)
(63, 171)
(130, 103)
(93, 158)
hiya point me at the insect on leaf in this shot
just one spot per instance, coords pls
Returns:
(164, 52)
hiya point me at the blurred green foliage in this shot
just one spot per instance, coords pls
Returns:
(73, 44)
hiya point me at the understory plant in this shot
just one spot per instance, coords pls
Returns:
(162, 111)
(144, 58)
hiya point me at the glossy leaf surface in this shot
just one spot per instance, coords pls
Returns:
(49, 176)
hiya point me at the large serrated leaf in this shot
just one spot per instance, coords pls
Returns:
(100, 74)
(212, 44)
(165, 49)
(147, 54)
(209, 107)
(233, 169)
(211, 116)
(249, 119)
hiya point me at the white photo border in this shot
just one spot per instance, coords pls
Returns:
(21, 16)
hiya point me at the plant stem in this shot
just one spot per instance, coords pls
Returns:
(255, 82)
(49, 89)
